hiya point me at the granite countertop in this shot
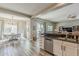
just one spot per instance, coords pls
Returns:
(57, 37)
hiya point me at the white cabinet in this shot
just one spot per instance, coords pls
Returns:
(57, 47)
(69, 49)
(42, 42)
(63, 48)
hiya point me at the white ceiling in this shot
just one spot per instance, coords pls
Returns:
(6, 9)
(9, 16)
(62, 13)
(35, 8)
(26, 8)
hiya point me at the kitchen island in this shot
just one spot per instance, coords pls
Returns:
(61, 44)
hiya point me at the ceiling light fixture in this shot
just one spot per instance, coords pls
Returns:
(72, 17)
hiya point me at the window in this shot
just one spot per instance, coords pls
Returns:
(9, 28)
(50, 28)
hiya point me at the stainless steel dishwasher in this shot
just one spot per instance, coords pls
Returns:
(48, 45)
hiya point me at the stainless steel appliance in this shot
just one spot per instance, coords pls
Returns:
(48, 45)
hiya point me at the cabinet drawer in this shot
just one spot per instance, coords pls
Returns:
(74, 45)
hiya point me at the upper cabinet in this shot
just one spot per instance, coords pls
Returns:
(76, 28)
(69, 29)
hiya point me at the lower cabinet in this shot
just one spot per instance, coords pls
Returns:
(42, 42)
(69, 49)
(57, 47)
(63, 48)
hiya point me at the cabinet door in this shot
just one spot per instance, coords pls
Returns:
(42, 42)
(69, 49)
(57, 47)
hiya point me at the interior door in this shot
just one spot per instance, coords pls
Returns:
(57, 47)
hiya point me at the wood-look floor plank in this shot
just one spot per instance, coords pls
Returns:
(26, 48)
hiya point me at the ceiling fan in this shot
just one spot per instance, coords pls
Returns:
(72, 17)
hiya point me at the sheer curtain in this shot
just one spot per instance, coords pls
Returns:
(24, 28)
(21, 28)
(28, 29)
